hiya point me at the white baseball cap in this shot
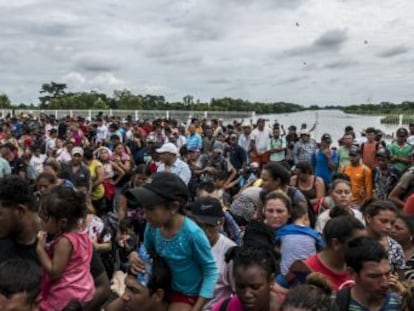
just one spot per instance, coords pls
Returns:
(168, 148)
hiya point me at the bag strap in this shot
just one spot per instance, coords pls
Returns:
(225, 304)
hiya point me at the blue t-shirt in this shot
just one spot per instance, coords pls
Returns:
(189, 257)
(320, 164)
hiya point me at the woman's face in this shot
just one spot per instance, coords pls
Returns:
(104, 155)
(44, 186)
(342, 195)
(253, 287)
(302, 176)
(276, 213)
(119, 149)
(401, 232)
(382, 223)
(268, 183)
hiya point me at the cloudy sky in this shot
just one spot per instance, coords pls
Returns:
(304, 51)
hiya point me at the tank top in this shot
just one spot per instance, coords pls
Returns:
(76, 282)
(310, 193)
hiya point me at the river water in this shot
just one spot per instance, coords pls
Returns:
(330, 121)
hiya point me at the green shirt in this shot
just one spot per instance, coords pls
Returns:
(343, 158)
(401, 152)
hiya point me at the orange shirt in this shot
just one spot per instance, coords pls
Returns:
(361, 182)
(368, 154)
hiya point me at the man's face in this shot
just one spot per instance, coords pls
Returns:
(212, 232)
(347, 140)
(373, 279)
(191, 129)
(261, 125)
(8, 221)
(17, 302)
(371, 136)
(136, 297)
(354, 159)
(77, 159)
(382, 162)
(167, 158)
(247, 130)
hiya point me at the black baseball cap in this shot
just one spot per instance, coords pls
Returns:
(354, 151)
(159, 188)
(208, 210)
(326, 137)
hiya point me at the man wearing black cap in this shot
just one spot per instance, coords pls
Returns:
(177, 239)
(208, 214)
(325, 160)
(361, 178)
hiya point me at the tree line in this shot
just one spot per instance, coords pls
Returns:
(55, 95)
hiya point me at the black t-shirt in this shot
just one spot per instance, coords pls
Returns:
(9, 249)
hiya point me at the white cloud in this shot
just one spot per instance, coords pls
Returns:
(304, 51)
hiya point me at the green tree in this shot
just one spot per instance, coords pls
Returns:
(5, 101)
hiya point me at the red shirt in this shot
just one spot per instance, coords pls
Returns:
(409, 205)
(338, 280)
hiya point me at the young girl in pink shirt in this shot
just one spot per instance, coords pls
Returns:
(66, 263)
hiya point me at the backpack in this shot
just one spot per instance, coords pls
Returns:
(225, 304)
(343, 298)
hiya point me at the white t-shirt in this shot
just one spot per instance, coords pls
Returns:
(261, 139)
(324, 218)
(410, 140)
(225, 283)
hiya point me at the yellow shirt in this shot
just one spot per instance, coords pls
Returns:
(98, 191)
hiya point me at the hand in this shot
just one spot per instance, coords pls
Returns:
(136, 264)
(41, 240)
(327, 152)
(396, 285)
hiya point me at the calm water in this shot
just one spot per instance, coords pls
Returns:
(330, 121)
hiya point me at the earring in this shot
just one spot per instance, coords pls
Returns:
(411, 238)
(172, 212)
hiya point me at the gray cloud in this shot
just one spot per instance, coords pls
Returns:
(218, 81)
(210, 48)
(394, 51)
(292, 80)
(340, 64)
(332, 40)
(95, 62)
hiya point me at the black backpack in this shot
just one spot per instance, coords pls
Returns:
(343, 298)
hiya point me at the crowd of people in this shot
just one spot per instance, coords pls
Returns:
(122, 214)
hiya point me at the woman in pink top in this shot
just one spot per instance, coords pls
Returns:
(66, 264)
(254, 270)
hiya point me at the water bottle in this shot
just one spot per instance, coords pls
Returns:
(144, 277)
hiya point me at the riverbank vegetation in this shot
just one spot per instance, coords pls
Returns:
(55, 95)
